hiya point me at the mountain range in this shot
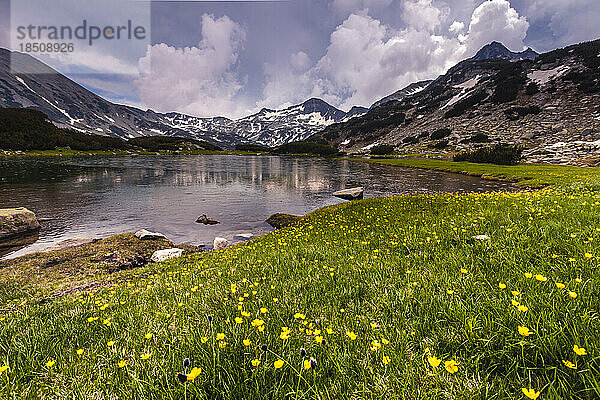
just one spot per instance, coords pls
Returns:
(549, 104)
(70, 105)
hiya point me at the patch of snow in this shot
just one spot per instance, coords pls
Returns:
(157, 131)
(22, 82)
(109, 118)
(100, 129)
(345, 142)
(465, 90)
(541, 77)
(470, 84)
(370, 146)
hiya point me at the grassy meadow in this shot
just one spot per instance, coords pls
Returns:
(447, 296)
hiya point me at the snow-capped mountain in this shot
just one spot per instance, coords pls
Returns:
(70, 105)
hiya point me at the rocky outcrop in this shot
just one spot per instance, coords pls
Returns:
(166, 254)
(17, 221)
(144, 234)
(350, 194)
(206, 220)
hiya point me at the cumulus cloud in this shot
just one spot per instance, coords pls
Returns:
(456, 27)
(497, 20)
(200, 80)
(366, 59)
(568, 21)
(422, 15)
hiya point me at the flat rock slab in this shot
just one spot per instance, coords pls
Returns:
(17, 221)
(143, 234)
(68, 244)
(166, 254)
(243, 236)
(350, 194)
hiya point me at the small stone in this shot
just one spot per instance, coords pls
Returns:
(144, 234)
(206, 220)
(162, 255)
(481, 237)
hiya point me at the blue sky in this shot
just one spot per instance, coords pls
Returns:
(233, 58)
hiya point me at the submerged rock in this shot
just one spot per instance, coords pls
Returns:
(206, 220)
(166, 254)
(220, 243)
(143, 234)
(243, 236)
(17, 221)
(281, 220)
(350, 194)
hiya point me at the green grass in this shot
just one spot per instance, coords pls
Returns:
(525, 175)
(379, 268)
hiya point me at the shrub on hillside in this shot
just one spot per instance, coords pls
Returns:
(382, 150)
(461, 106)
(514, 113)
(532, 89)
(441, 133)
(500, 154)
(410, 140)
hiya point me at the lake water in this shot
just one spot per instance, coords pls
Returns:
(95, 197)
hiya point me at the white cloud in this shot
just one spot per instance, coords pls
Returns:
(198, 80)
(456, 27)
(422, 15)
(367, 60)
(569, 21)
(497, 20)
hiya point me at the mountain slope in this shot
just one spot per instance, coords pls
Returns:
(402, 93)
(70, 105)
(496, 50)
(550, 104)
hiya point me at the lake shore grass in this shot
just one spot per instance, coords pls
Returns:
(523, 175)
(454, 296)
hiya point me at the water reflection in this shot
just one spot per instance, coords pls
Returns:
(97, 197)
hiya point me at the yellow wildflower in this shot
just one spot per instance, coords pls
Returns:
(580, 351)
(451, 366)
(278, 364)
(530, 393)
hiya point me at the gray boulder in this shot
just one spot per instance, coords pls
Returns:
(220, 243)
(17, 221)
(166, 254)
(143, 234)
(350, 194)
